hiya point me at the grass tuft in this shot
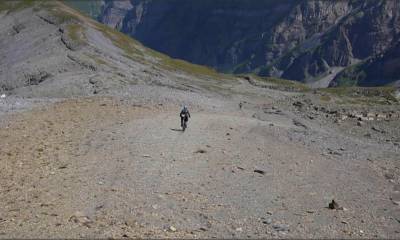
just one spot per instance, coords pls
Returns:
(76, 33)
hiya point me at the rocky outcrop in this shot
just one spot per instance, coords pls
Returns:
(378, 70)
(363, 30)
(115, 12)
(299, 40)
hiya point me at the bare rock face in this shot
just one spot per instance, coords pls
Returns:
(299, 40)
(216, 33)
(114, 13)
(377, 70)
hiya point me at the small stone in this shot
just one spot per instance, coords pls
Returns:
(267, 221)
(389, 176)
(396, 202)
(281, 227)
(201, 151)
(298, 104)
(333, 205)
(376, 129)
(395, 198)
(80, 218)
(63, 166)
(259, 171)
(99, 207)
(172, 229)
(239, 229)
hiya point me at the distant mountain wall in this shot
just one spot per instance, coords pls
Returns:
(91, 8)
(302, 40)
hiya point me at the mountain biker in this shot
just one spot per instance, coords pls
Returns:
(185, 115)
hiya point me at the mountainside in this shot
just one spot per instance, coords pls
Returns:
(51, 50)
(308, 41)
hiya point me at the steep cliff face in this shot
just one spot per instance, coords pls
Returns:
(219, 33)
(378, 70)
(91, 8)
(299, 40)
(361, 31)
(114, 12)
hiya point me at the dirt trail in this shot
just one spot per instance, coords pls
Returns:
(99, 167)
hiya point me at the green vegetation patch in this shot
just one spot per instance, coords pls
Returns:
(199, 70)
(284, 83)
(351, 76)
(363, 95)
(76, 33)
(13, 5)
(325, 98)
(122, 41)
(62, 16)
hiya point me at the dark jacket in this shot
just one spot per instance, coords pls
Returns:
(185, 114)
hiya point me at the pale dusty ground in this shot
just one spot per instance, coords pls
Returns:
(100, 167)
